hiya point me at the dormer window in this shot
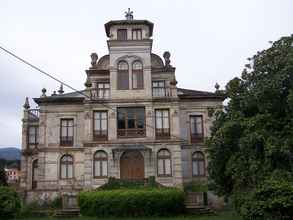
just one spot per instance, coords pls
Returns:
(137, 75)
(123, 76)
(122, 34)
(136, 34)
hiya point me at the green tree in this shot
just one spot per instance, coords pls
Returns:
(252, 139)
(3, 177)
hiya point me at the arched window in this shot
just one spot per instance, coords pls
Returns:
(100, 164)
(198, 164)
(34, 174)
(66, 167)
(123, 75)
(164, 163)
(137, 75)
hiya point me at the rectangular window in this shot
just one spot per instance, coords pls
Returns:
(159, 88)
(136, 34)
(196, 128)
(162, 123)
(122, 34)
(103, 90)
(137, 79)
(66, 132)
(100, 125)
(123, 80)
(33, 136)
(131, 122)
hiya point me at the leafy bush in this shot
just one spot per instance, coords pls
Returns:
(9, 202)
(195, 187)
(114, 183)
(272, 200)
(131, 202)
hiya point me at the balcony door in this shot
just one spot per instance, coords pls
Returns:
(132, 165)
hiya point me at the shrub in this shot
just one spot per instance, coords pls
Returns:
(272, 200)
(114, 183)
(9, 202)
(132, 202)
(195, 186)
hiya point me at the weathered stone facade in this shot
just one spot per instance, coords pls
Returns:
(187, 123)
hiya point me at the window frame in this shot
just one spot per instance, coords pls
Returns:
(137, 72)
(159, 88)
(164, 158)
(36, 136)
(103, 89)
(100, 137)
(126, 129)
(119, 35)
(35, 165)
(67, 164)
(100, 160)
(196, 138)
(69, 141)
(157, 134)
(198, 160)
(137, 32)
(122, 71)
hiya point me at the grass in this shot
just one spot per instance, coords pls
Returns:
(227, 215)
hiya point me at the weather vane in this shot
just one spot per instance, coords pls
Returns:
(129, 14)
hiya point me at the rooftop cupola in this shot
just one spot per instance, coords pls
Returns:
(129, 28)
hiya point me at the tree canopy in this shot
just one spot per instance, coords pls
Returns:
(251, 145)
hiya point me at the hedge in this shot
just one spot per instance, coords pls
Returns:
(131, 202)
(9, 203)
(114, 183)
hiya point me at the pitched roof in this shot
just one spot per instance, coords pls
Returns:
(77, 97)
(196, 94)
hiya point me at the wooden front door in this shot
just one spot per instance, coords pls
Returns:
(131, 165)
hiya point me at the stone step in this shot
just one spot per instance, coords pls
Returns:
(67, 213)
(199, 210)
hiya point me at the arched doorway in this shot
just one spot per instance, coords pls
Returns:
(131, 165)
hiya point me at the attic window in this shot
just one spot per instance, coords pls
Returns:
(122, 34)
(136, 34)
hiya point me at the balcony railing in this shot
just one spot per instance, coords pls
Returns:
(100, 93)
(196, 138)
(33, 114)
(162, 92)
(138, 132)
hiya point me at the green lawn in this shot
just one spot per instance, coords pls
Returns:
(220, 216)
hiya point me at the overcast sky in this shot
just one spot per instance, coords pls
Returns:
(209, 41)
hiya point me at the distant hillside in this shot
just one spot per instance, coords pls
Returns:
(10, 153)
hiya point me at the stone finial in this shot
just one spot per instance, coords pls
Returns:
(26, 103)
(173, 82)
(61, 91)
(54, 93)
(94, 57)
(44, 90)
(217, 86)
(129, 14)
(167, 56)
(88, 83)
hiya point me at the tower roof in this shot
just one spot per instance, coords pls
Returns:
(109, 24)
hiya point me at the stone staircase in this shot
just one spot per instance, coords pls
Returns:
(195, 203)
(67, 213)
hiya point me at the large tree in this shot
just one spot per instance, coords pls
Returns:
(251, 146)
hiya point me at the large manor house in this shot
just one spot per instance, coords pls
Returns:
(130, 121)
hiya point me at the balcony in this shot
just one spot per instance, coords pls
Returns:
(100, 93)
(33, 114)
(159, 92)
(196, 138)
(131, 133)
